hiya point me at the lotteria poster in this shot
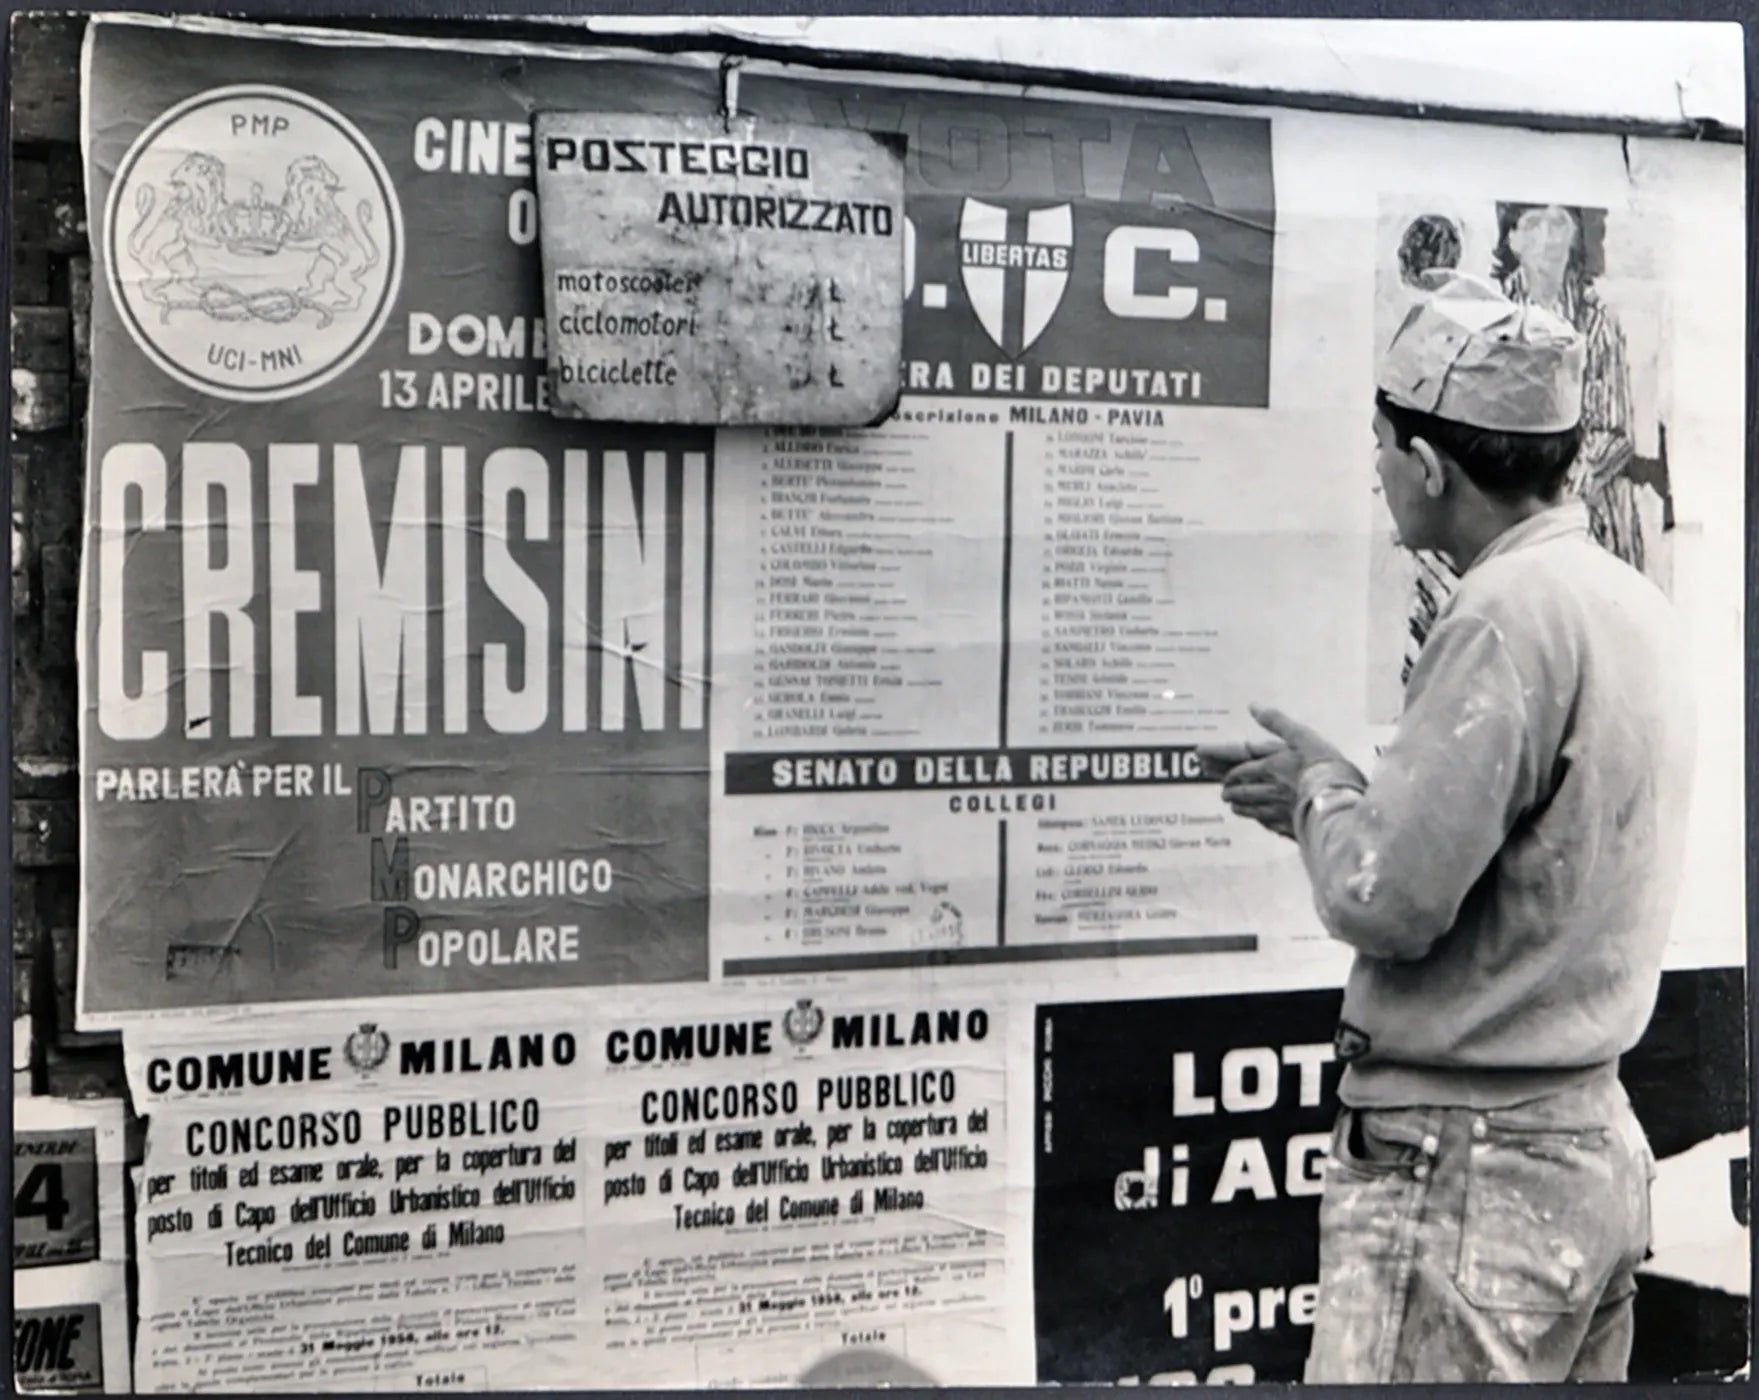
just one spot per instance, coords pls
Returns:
(1181, 1153)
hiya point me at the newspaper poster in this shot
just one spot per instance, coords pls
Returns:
(67, 1188)
(69, 1246)
(684, 1195)
(70, 1330)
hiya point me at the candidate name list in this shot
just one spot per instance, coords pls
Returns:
(837, 649)
(1102, 562)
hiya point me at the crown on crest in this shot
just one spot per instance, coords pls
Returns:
(254, 227)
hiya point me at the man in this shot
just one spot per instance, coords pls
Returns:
(1506, 877)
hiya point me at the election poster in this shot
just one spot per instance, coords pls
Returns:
(467, 698)
(409, 675)
(987, 635)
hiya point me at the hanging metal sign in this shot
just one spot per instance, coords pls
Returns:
(704, 270)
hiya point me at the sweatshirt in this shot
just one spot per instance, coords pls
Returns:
(1507, 875)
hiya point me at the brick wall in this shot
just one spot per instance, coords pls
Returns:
(50, 363)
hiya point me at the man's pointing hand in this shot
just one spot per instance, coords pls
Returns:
(1261, 777)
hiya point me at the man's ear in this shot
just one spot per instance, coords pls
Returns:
(1435, 473)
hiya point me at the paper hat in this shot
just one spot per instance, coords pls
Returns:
(1468, 354)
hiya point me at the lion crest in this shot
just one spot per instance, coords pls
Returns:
(311, 255)
(253, 242)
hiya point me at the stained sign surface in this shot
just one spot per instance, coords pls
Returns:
(700, 270)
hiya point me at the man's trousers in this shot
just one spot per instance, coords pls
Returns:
(1495, 1245)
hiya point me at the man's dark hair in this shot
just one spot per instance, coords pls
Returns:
(1508, 466)
(1430, 240)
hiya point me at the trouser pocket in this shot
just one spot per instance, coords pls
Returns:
(1375, 1186)
(1368, 1142)
(1548, 1216)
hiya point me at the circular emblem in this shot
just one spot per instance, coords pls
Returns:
(366, 1049)
(803, 1022)
(253, 243)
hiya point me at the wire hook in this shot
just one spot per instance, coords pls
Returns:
(730, 66)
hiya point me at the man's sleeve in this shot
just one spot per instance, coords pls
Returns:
(1392, 858)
